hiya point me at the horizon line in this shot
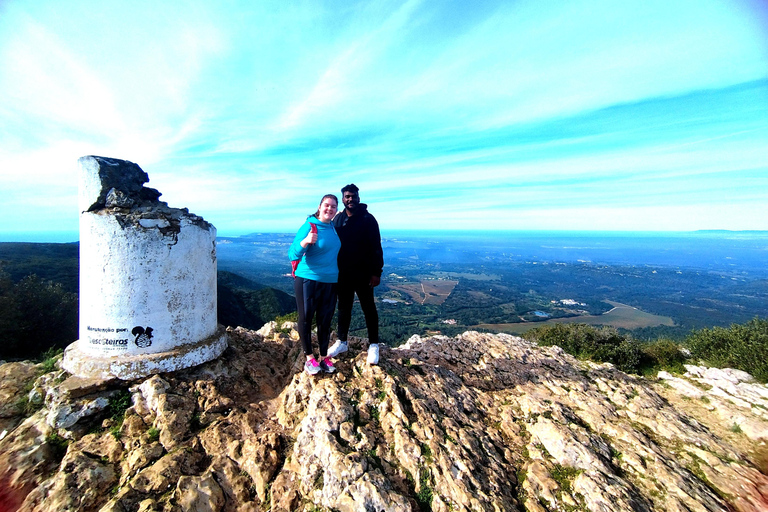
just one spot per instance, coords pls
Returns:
(67, 237)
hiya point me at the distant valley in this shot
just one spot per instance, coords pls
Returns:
(652, 285)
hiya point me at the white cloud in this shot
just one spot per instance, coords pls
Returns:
(228, 106)
(44, 81)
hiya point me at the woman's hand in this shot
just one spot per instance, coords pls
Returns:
(311, 237)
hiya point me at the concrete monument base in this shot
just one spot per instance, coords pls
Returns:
(138, 366)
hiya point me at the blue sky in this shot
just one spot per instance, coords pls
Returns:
(524, 115)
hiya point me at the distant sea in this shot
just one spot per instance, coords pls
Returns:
(49, 237)
(710, 250)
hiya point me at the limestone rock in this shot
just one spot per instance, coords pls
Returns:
(82, 483)
(27, 458)
(732, 395)
(199, 494)
(267, 330)
(262, 460)
(65, 415)
(479, 422)
(14, 378)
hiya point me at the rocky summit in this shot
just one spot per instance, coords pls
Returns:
(479, 422)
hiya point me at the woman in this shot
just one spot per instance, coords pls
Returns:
(315, 280)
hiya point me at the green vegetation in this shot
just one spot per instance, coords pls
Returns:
(606, 344)
(51, 262)
(58, 445)
(153, 433)
(289, 317)
(49, 358)
(195, 422)
(47, 364)
(23, 405)
(118, 403)
(739, 346)
(564, 475)
(663, 354)
(426, 451)
(424, 496)
(35, 315)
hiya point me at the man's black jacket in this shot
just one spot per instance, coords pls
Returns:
(360, 254)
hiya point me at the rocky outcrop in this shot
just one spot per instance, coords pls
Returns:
(477, 422)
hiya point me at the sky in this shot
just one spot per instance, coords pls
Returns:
(638, 115)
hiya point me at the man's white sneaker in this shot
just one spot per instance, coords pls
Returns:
(373, 353)
(338, 348)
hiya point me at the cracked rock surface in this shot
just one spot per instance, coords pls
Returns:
(479, 422)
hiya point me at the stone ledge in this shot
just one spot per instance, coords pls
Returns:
(138, 366)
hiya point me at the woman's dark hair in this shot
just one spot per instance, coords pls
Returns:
(326, 196)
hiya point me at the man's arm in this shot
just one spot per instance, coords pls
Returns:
(377, 253)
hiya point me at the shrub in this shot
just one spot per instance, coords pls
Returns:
(424, 496)
(741, 346)
(606, 344)
(663, 354)
(603, 344)
(288, 317)
(49, 358)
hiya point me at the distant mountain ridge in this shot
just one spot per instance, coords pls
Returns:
(49, 261)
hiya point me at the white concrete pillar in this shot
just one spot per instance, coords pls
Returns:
(147, 279)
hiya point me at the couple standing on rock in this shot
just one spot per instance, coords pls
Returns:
(336, 255)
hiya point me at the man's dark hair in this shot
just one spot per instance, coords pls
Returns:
(350, 188)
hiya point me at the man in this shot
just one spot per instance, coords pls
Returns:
(361, 261)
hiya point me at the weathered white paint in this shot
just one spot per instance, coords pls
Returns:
(147, 289)
(135, 276)
(131, 367)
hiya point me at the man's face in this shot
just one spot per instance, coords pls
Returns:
(350, 200)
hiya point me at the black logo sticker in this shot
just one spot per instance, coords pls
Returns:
(143, 336)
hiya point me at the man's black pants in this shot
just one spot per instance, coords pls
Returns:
(347, 288)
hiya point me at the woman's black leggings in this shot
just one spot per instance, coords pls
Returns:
(314, 298)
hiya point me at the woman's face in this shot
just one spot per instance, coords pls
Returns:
(327, 210)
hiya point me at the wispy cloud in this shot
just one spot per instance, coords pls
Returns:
(595, 113)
